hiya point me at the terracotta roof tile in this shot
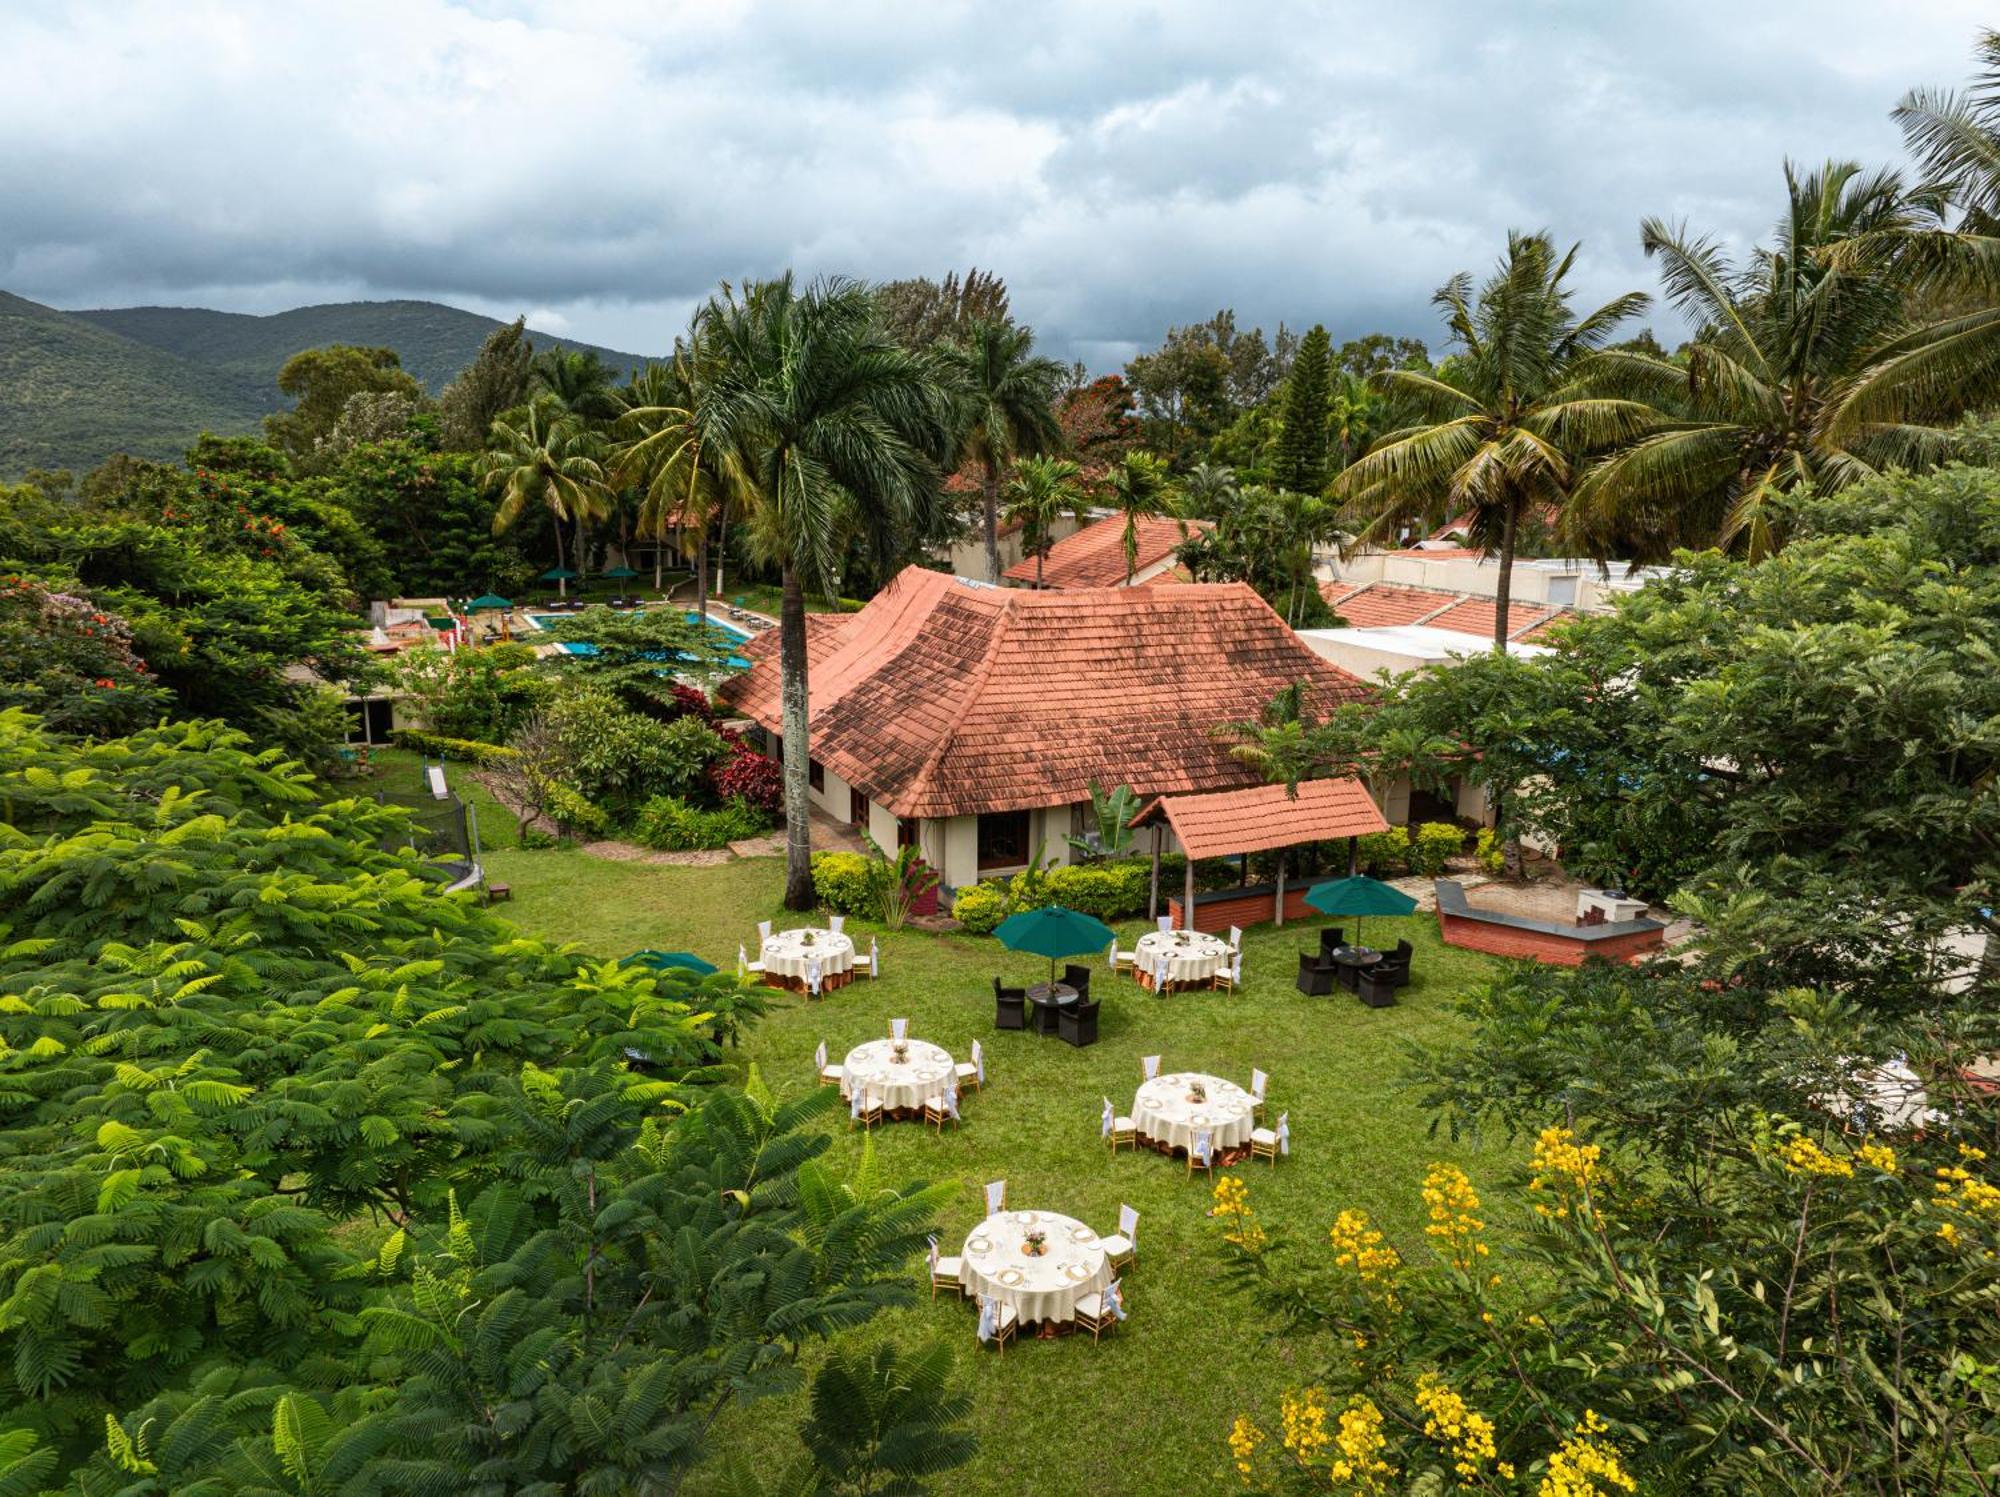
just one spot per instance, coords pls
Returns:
(1266, 816)
(1390, 603)
(944, 697)
(1095, 555)
(1475, 616)
(1539, 634)
(1169, 578)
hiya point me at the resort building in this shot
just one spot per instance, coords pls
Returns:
(970, 721)
(1095, 555)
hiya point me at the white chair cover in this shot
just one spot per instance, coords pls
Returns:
(1114, 1300)
(996, 1197)
(899, 1029)
(1203, 1147)
(835, 922)
(989, 1318)
(742, 958)
(874, 958)
(1108, 1115)
(1111, 954)
(1258, 1082)
(812, 975)
(951, 1101)
(1284, 1133)
(1160, 976)
(763, 930)
(1128, 1223)
(1165, 923)
(1149, 1066)
(1236, 970)
(979, 1061)
(854, 1104)
(934, 1257)
(819, 1058)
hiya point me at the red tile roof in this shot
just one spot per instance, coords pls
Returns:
(1387, 603)
(1475, 616)
(1095, 555)
(1256, 820)
(945, 697)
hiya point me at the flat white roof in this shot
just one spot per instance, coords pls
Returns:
(1419, 641)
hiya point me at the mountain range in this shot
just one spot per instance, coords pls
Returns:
(76, 387)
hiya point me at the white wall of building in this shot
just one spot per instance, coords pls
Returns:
(1399, 648)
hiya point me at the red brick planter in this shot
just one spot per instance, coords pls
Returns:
(1463, 924)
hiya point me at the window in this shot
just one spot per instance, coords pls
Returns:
(1003, 839)
(906, 831)
(857, 808)
(816, 773)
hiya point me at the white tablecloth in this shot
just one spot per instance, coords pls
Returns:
(788, 951)
(1161, 1111)
(1192, 956)
(901, 1088)
(993, 1265)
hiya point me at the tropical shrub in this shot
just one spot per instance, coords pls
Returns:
(571, 811)
(467, 751)
(477, 694)
(66, 658)
(748, 776)
(611, 755)
(1434, 844)
(1385, 854)
(1110, 890)
(980, 907)
(841, 882)
(898, 883)
(672, 825)
(1490, 852)
(689, 748)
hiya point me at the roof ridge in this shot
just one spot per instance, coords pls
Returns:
(920, 781)
(1551, 612)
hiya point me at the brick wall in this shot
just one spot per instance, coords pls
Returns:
(1217, 912)
(1567, 951)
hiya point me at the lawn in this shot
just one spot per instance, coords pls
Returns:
(1066, 1416)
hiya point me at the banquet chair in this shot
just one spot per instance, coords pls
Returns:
(941, 1108)
(869, 961)
(864, 1107)
(1235, 938)
(836, 923)
(1122, 1247)
(1230, 974)
(1165, 923)
(1097, 1313)
(1118, 1130)
(1201, 1152)
(1160, 976)
(997, 1323)
(973, 1070)
(1269, 1143)
(899, 1030)
(944, 1273)
(828, 1075)
(1259, 1084)
(763, 930)
(996, 1197)
(744, 965)
(1122, 961)
(813, 979)
(1149, 1066)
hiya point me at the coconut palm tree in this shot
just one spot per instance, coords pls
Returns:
(1208, 489)
(1499, 426)
(1138, 487)
(541, 457)
(1814, 365)
(1005, 397)
(1041, 491)
(658, 452)
(821, 430)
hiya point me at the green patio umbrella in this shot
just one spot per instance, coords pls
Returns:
(660, 961)
(486, 601)
(1053, 932)
(561, 577)
(1358, 896)
(621, 573)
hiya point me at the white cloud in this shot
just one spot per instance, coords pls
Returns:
(1125, 167)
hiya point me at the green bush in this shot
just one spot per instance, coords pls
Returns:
(484, 755)
(1435, 844)
(980, 907)
(841, 882)
(672, 825)
(1488, 852)
(1110, 891)
(687, 746)
(573, 812)
(1386, 854)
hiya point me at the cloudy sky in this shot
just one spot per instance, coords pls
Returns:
(601, 165)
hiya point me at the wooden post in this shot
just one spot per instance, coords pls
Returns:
(1278, 904)
(1153, 899)
(1187, 909)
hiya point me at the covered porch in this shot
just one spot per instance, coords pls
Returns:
(1266, 818)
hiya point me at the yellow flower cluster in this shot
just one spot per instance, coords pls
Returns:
(1453, 1207)
(1877, 1156)
(1958, 1189)
(1357, 1245)
(1588, 1465)
(1304, 1414)
(1802, 1156)
(1465, 1433)
(1244, 1438)
(1565, 1167)
(1232, 1203)
(1359, 1444)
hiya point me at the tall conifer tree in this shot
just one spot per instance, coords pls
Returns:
(1301, 465)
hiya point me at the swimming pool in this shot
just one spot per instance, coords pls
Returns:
(732, 635)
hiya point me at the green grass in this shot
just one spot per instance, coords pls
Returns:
(1147, 1410)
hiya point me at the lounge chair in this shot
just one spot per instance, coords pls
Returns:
(1315, 979)
(1077, 1023)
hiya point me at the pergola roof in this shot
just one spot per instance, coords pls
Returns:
(1266, 816)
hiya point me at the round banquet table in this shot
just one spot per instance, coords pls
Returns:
(1162, 1114)
(787, 952)
(901, 1087)
(1047, 1288)
(1193, 956)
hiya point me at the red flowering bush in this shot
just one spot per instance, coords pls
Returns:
(67, 659)
(693, 701)
(748, 776)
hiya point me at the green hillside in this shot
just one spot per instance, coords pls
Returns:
(76, 387)
(433, 340)
(72, 393)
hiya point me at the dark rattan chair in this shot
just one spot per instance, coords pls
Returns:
(1010, 1007)
(1078, 1023)
(1376, 988)
(1078, 978)
(1331, 936)
(1315, 979)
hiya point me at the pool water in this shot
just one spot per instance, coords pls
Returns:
(585, 647)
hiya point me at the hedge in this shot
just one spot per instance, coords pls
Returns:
(484, 755)
(980, 907)
(840, 882)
